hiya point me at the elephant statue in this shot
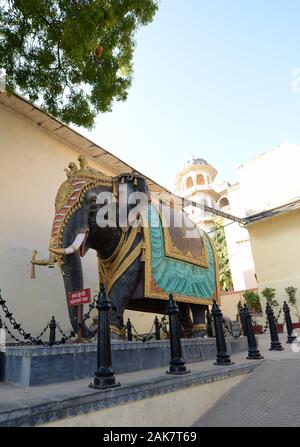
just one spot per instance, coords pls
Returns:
(141, 257)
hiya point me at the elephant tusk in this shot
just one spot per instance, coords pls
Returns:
(78, 241)
(60, 251)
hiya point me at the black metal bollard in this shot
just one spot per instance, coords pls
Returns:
(157, 328)
(289, 324)
(209, 324)
(275, 343)
(177, 364)
(52, 332)
(223, 358)
(241, 315)
(129, 330)
(253, 351)
(104, 376)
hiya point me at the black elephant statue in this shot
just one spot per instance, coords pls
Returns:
(143, 253)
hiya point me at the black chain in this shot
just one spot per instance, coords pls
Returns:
(279, 313)
(72, 334)
(13, 336)
(43, 331)
(266, 327)
(86, 316)
(17, 326)
(37, 340)
(144, 337)
(65, 337)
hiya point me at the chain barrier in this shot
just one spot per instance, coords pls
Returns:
(278, 316)
(231, 333)
(13, 337)
(16, 325)
(29, 339)
(43, 331)
(86, 316)
(266, 327)
(144, 337)
(228, 329)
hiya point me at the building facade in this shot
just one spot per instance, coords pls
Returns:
(197, 182)
(35, 149)
(263, 253)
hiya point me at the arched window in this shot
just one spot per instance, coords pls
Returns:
(200, 179)
(189, 182)
(224, 202)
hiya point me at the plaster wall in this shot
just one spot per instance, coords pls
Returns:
(275, 246)
(271, 178)
(32, 169)
(176, 409)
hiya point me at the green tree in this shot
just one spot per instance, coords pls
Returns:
(291, 292)
(222, 252)
(269, 294)
(73, 57)
(252, 300)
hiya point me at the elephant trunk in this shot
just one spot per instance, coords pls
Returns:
(73, 280)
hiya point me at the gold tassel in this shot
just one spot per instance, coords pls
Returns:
(143, 257)
(51, 261)
(114, 190)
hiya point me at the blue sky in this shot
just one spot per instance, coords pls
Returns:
(212, 78)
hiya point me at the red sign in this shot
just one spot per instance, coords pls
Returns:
(79, 297)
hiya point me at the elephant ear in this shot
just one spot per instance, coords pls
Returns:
(125, 185)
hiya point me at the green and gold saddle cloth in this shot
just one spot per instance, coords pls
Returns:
(179, 258)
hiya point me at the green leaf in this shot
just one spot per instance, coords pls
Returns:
(219, 239)
(73, 56)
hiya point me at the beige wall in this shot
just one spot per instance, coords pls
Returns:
(271, 178)
(276, 246)
(229, 303)
(177, 409)
(32, 169)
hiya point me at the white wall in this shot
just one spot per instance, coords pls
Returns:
(32, 169)
(271, 178)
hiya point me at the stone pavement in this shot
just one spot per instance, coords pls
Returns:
(28, 406)
(268, 397)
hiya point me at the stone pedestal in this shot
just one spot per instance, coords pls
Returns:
(38, 365)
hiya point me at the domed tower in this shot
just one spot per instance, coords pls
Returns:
(195, 182)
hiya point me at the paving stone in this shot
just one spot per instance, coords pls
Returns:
(268, 397)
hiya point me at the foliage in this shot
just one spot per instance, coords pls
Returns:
(219, 238)
(252, 300)
(74, 57)
(269, 294)
(291, 292)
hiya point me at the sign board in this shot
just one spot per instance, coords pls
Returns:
(79, 297)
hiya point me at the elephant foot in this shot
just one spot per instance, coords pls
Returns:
(117, 337)
(117, 333)
(187, 333)
(199, 330)
(81, 340)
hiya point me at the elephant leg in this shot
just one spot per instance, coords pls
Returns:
(185, 319)
(199, 323)
(120, 295)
